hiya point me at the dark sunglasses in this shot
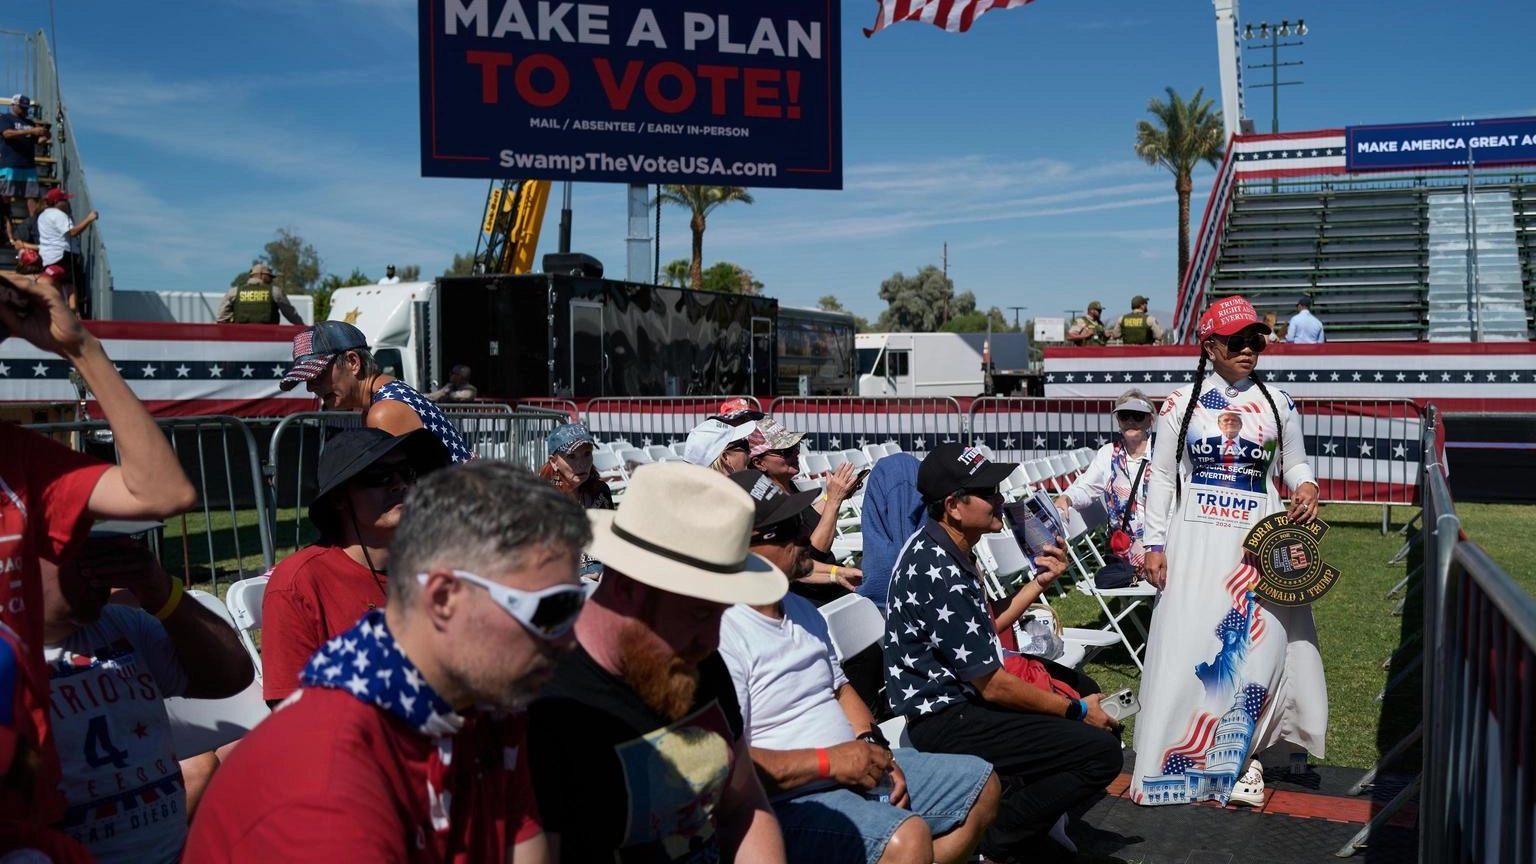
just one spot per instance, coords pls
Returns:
(1131, 416)
(788, 455)
(981, 492)
(380, 476)
(1237, 342)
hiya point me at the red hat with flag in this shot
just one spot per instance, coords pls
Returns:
(1228, 316)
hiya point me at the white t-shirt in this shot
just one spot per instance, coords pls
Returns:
(786, 675)
(390, 280)
(53, 238)
(108, 682)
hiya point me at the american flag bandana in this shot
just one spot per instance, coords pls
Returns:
(367, 662)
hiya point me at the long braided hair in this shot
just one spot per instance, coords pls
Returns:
(1189, 411)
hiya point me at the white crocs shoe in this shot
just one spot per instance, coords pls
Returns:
(1249, 788)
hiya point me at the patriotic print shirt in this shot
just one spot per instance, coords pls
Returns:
(108, 682)
(432, 417)
(938, 634)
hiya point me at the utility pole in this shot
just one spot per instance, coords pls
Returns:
(947, 290)
(1016, 310)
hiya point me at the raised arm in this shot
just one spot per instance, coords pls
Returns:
(148, 482)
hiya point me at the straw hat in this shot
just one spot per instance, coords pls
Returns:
(685, 529)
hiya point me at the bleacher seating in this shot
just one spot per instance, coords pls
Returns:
(1373, 251)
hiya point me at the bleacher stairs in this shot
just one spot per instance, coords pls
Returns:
(1384, 258)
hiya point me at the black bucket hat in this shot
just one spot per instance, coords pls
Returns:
(352, 451)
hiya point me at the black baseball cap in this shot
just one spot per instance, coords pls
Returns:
(948, 468)
(774, 505)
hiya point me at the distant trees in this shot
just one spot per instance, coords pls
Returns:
(830, 303)
(1185, 134)
(700, 201)
(463, 265)
(295, 262)
(722, 277)
(921, 303)
(409, 273)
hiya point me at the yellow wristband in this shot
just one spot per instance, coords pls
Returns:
(177, 592)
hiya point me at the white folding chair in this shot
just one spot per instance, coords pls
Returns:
(1018, 485)
(1117, 604)
(857, 459)
(895, 731)
(985, 451)
(610, 469)
(836, 458)
(854, 623)
(806, 484)
(633, 458)
(678, 447)
(201, 725)
(660, 452)
(244, 599)
(892, 448)
(1063, 469)
(815, 465)
(875, 452)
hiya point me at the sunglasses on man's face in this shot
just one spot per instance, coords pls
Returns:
(1237, 342)
(547, 614)
(381, 476)
(1131, 416)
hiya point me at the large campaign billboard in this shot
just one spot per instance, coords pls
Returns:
(662, 91)
(1488, 143)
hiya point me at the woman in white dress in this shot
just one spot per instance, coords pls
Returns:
(1226, 677)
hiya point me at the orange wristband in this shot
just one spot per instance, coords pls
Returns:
(823, 763)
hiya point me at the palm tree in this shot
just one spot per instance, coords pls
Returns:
(1186, 133)
(700, 201)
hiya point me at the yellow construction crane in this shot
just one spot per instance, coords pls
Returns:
(509, 232)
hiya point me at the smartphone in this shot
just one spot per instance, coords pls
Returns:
(1121, 704)
(859, 482)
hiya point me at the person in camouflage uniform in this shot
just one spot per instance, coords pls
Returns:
(1088, 329)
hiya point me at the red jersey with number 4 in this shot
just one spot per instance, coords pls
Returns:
(331, 778)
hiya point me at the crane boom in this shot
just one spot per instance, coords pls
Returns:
(509, 230)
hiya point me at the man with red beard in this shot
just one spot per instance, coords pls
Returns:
(637, 744)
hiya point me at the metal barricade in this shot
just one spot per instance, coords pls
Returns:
(647, 420)
(916, 423)
(500, 432)
(293, 465)
(1479, 781)
(1020, 428)
(543, 403)
(1365, 451)
(228, 534)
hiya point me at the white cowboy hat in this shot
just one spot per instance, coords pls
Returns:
(685, 529)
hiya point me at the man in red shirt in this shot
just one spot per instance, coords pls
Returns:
(324, 589)
(388, 752)
(49, 494)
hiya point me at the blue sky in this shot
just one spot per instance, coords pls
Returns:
(1012, 143)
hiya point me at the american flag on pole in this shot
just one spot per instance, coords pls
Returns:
(955, 16)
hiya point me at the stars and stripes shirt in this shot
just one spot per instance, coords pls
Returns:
(432, 417)
(938, 634)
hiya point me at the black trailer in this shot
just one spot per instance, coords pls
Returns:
(578, 337)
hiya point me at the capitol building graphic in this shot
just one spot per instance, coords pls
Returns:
(1211, 758)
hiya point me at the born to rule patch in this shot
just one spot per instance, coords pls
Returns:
(1290, 562)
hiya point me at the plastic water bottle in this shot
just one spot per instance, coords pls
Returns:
(1298, 763)
(883, 789)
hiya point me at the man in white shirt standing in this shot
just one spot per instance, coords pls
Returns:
(389, 276)
(58, 239)
(1304, 328)
(841, 794)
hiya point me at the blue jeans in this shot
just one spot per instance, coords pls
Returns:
(843, 826)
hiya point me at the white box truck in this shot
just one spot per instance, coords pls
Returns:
(940, 364)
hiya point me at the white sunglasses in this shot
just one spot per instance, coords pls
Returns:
(547, 614)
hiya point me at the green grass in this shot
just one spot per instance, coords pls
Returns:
(217, 548)
(1357, 629)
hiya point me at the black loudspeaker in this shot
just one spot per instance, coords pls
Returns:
(573, 264)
